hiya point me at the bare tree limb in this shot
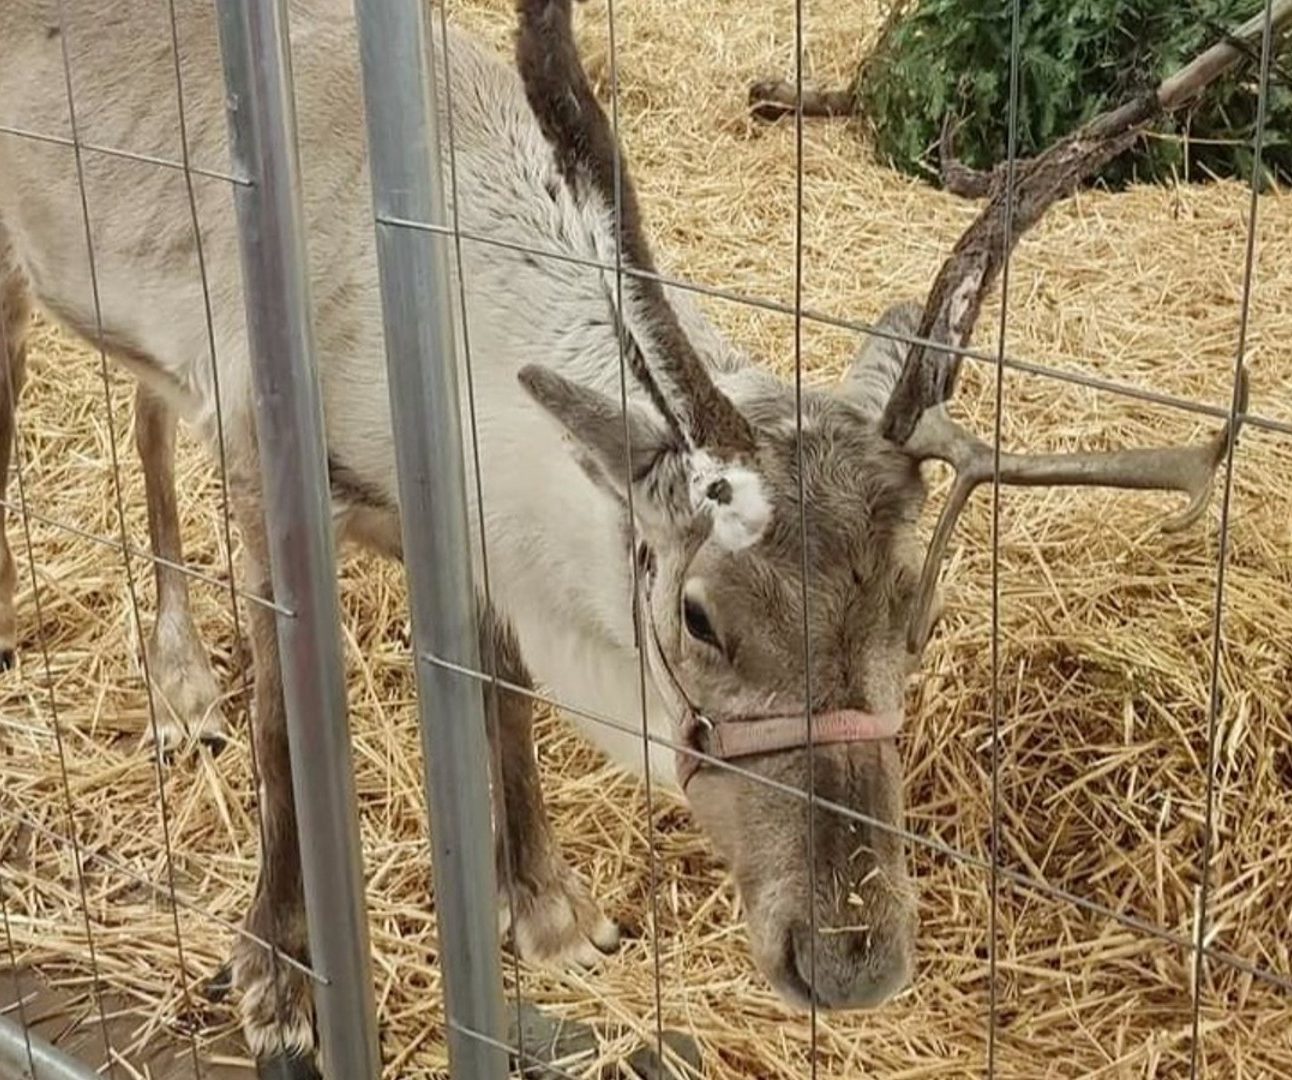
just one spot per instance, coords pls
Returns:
(955, 300)
(1182, 87)
(770, 99)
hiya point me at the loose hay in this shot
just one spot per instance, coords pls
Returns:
(1105, 644)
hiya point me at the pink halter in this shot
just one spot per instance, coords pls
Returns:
(729, 740)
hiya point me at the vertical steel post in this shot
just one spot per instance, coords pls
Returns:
(26, 1056)
(421, 357)
(293, 461)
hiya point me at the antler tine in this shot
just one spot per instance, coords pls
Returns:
(1188, 469)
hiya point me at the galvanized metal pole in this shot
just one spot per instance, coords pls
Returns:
(22, 1051)
(293, 456)
(421, 357)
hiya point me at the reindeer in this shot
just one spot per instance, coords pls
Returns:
(767, 562)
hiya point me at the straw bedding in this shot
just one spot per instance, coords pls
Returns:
(1105, 631)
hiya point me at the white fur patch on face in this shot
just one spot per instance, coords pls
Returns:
(733, 494)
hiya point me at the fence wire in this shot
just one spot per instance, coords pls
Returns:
(998, 421)
(159, 765)
(54, 723)
(488, 677)
(653, 922)
(1222, 556)
(976, 356)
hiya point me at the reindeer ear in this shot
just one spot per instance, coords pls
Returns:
(595, 423)
(672, 481)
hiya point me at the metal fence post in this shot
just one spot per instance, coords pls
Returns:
(421, 357)
(24, 1055)
(253, 40)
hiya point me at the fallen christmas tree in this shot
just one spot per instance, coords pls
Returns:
(935, 58)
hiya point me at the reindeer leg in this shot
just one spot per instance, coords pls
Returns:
(188, 696)
(15, 311)
(549, 910)
(275, 1005)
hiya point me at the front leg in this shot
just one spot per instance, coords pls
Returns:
(15, 312)
(542, 901)
(275, 1002)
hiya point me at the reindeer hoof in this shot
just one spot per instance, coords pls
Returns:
(185, 694)
(8, 658)
(287, 1067)
(646, 1064)
(219, 985)
(214, 741)
(558, 924)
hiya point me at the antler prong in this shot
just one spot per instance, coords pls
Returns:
(1187, 469)
(921, 624)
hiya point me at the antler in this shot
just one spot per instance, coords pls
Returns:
(929, 375)
(1188, 469)
(588, 156)
(915, 416)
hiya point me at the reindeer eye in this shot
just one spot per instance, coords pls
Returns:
(697, 623)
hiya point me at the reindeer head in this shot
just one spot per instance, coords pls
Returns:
(781, 599)
(722, 615)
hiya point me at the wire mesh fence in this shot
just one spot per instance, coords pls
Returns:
(441, 248)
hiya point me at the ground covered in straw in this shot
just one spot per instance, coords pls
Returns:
(1105, 630)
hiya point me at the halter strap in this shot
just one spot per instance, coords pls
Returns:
(730, 740)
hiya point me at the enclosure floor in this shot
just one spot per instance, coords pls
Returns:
(69, 1019)
(1105, 648)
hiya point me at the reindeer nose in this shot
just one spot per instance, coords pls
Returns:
(850, 968)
